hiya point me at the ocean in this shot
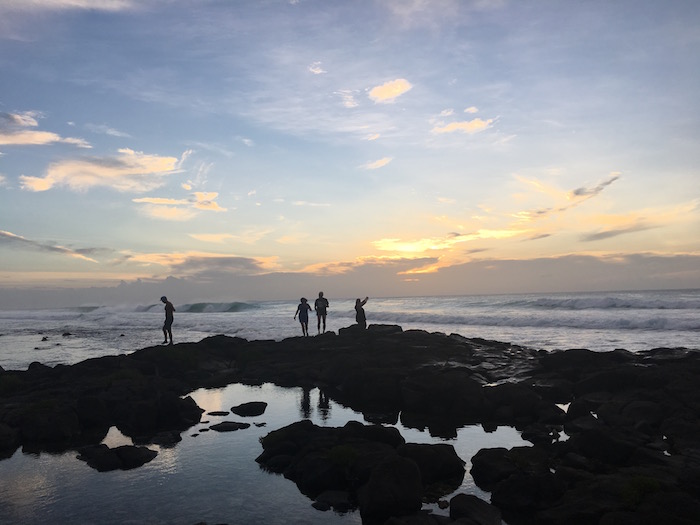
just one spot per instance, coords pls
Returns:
(212, 477)
(600, 321)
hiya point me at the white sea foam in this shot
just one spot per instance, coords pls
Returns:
(599, 321)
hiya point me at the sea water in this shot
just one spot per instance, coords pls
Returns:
(600, 321)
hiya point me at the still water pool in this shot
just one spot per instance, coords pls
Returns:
(208, 477)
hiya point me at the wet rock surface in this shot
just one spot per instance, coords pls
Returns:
(616, 435)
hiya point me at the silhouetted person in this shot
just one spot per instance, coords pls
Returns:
(168, 325)
(321, 307)
(303, 311)
(360, 313)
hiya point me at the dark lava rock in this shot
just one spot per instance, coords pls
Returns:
(229, 426)
(474, 509)
(386, 476)
(394, 488)
(253, 408)
(103, 458)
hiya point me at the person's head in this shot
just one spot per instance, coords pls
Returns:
(357, 301)
(164, 299)
(320, 294)
(303, 299)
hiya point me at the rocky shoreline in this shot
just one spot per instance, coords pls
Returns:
(616, 435)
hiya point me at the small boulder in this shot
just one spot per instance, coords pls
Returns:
(253, 408)
(229, 426)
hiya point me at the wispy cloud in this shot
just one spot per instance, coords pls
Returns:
(129, 171)
(595, 190)
(607, 234)
(103, 129)
(16, 129)
(8, 237)
(316, 68)
(348, 98)
(179, 209)
(390, 91)
(57, 5)
(311, 204)
(564, 200)
(377, 163)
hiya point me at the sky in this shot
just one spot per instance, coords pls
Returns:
(266, 149)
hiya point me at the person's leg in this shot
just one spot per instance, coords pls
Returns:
(324, 323)
(318, 318)
(165, 334)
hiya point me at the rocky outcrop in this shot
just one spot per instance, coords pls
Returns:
(372, 465)
(615, 435)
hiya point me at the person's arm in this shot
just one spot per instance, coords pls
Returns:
(365, 301)
(295, 313)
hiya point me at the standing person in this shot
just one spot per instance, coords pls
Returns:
(303, 312)
(321, 307)
(168, 325)
(360, 313)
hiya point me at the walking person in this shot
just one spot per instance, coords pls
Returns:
(360, 318)
(321, 307)
(168, 325)
(303, 312)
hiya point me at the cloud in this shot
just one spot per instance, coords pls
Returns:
(204, 265)
(390, 91)
(466, 126)
(106, 130)
(607, 234)
(471, 109)
(57, 5)
(348, 98)
(377, 163)
(169, 213)
(216, 238)
(179, 209)
(162, 201)
(207, 201)
(316, 68)
(15, 130)
(130, 171)
(311, 204)
(592, 192)
(11, 238)
(569, 200)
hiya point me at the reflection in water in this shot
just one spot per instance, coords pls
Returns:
(324, 405)
(207, 477)
(115, 438)
(305, 404)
